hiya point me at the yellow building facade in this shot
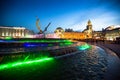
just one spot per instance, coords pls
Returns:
(74, 35)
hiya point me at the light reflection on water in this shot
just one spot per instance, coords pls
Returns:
(89, 64)
(27, 49)
(85, 65)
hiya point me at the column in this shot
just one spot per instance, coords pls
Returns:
(23, 33)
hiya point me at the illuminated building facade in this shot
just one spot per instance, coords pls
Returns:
(69, 34)
(112, 34)
(99, 35)
(88, 31)
(15, 32)
(59, 32)
(109, 33)
(74, 35)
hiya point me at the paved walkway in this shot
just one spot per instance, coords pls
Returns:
(114, 47)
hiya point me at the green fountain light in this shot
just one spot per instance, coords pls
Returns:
(43, 40)
(84, 47)
(15, 64)
(8, 38)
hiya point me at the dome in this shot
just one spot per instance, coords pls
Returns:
(59, 28)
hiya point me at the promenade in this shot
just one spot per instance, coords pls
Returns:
(113, 60)
(113, 47)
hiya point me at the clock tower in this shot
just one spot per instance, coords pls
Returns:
(89, 25)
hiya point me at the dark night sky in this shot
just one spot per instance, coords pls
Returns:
(64, 13)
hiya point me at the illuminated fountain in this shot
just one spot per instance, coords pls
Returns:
(24, 51)
(24, 63)
(35, 50)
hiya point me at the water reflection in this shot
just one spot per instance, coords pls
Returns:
(84, 65)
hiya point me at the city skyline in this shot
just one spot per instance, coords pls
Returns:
(61, 13)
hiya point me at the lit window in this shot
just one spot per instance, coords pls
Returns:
(2, 34)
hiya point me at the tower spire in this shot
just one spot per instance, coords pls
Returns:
(89, 22)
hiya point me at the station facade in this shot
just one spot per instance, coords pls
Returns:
(15, 32)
